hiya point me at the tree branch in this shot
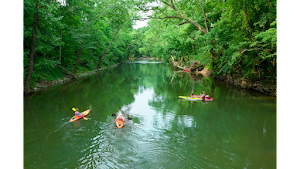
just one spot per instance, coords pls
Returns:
(244, 50)
(65, 70)
(173, 5)
(203, 15)
(185, 17)
(99, 64)
(183, 23)
(169, 5)
(166, 17)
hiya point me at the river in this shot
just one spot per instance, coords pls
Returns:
(236, 130)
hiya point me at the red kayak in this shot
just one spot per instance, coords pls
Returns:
(208, 99)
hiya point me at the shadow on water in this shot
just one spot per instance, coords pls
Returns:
(236, 130)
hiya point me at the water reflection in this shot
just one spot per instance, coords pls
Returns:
(236, 130)
(145, 62)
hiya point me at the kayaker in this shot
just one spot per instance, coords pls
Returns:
(77, 112)
(192, 95)
(120, 118)
(203, 95)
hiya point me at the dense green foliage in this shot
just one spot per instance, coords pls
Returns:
(231, 37)
(71, 30)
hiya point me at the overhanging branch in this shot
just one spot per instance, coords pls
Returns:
(183, 23)
(166, 17)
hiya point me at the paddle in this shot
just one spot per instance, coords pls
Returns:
(129, 118)
(81, 116)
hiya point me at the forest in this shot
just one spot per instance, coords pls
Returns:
(66, 37)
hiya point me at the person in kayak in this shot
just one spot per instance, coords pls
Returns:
(120, 120)
(77, 113)
(196, 96)
(203, 95)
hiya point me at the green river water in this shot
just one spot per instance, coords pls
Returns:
(235, 131)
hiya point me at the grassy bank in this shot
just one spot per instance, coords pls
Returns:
(44, 84)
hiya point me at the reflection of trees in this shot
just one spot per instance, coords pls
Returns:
(229, 126)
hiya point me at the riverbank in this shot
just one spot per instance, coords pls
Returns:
(47, 84)
(243, 83)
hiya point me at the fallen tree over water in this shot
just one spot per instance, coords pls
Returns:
(195, 67)
(244, 83)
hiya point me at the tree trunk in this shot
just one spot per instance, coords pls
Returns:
(127, 49)
(99, 64)
(125, 52)
(60, 44)
(77, 61)
(27, 89)
(203, 16)
(213, 55)
(59, 66)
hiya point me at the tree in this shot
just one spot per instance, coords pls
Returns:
(236, 38)
(232, 37)
(68, 37)
(42, 16)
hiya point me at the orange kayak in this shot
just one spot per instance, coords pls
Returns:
(119, 122)
(85, 113)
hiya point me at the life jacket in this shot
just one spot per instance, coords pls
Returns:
(77, 113)
(120, 118)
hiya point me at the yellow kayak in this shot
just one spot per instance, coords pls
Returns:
(190, 98)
